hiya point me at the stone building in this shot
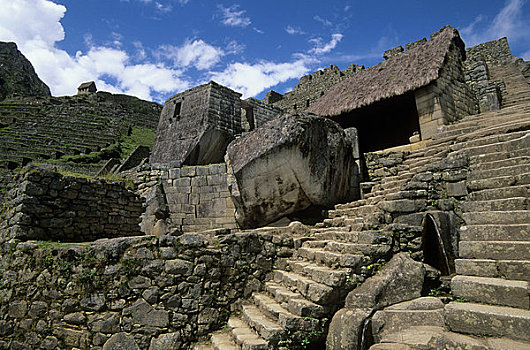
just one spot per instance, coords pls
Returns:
(412, 91)
(197, 125)
(86, 88)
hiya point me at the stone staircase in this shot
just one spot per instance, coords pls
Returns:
(491, 286)
(493, 266)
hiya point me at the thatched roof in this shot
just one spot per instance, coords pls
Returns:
(86, 85)
(411, 70)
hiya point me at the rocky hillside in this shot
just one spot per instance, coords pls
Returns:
(80, 132)
(17, 75)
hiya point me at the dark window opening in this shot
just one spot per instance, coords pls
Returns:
(307, 103)
(384, 124)
(247, 118)
(178, 106)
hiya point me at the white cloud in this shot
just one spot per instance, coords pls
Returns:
(324, 21)
(35, 26)
(508, 22)
(251, 79)
(195, 53)
(233, 17)
(321, 47)
(294, 30)
(526, 55)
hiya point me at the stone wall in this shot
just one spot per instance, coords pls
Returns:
(495, 51)
(48, 206)
(196, 126)
(311, 87)
(197, 197)
(438, 188)
(488, 93)
(137, 292)
(446, 100)
(261, 112)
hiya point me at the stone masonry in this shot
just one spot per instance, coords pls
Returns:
(197, 197)
(48, 206)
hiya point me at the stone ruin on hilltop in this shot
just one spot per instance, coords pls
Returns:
(380, 208)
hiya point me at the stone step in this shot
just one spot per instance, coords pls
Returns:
(268, 329)
(432, 337)
(407, 194)
(488, 320)
(500, 193)
(507, 269)
(321, 274)
(287, 320)
(425, 311)
(501, 163)
(495, 232)
(495, 250)
(498, 134)
(489, 290)
(403, 206)
(497, 217)
(352, 237)
(331, 259)
(517, 203)
(476, 160)
(245, 337)
(497, 182)
(507, 146)
(511, 170)
(223, 341)
(344, 248)
(315, 292)
(295, 302)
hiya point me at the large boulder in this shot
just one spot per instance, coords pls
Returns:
(290, 164)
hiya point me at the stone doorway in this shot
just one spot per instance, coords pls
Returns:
(383, 124)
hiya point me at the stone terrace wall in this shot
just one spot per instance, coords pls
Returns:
(136, 291)
(197, 197)
(48, 206)
(311, 87)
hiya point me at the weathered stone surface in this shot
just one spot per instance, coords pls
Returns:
(289, 164)
(197, 125)
(146, 315)
(121, 341)
(168, 341)
(401, 279)
(346, 328)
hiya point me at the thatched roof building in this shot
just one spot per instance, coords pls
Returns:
(86, 88)
(409, 71)
(432, 68)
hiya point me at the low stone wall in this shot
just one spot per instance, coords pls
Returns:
(135, 292)
(49, 206)
(196, 197)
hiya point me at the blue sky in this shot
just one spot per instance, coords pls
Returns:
(156, 48)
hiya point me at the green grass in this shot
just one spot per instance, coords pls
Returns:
(139, 136)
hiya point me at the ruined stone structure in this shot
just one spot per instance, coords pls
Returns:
(434, 255)
(86, 88)
(197, 125)
(310, 88)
